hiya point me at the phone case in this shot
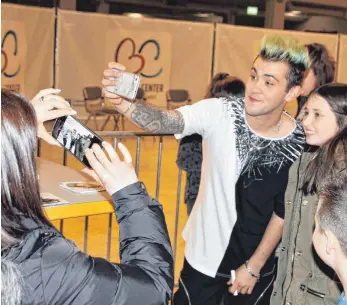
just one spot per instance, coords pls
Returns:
(127, 85)
(82, 129)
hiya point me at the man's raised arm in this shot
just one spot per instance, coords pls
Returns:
(144, 115)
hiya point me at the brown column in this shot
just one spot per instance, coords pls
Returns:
(103, 7)
(68, 4)
(274, 14)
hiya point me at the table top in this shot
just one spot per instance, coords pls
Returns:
(52, 174)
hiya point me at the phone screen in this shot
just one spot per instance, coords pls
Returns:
(75, 137)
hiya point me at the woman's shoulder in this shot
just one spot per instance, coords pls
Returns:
(57, 246)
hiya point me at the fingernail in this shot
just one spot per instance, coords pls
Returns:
(59, 90)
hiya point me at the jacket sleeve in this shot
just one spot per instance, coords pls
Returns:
(145, 274)
(145, 250)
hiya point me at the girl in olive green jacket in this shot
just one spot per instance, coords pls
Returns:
(302, 278)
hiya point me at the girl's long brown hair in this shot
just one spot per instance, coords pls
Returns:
(332, 156)
(20, 194)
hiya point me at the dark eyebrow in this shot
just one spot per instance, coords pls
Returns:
(266, 75)
(270, 75)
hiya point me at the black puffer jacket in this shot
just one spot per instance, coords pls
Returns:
(56, 272)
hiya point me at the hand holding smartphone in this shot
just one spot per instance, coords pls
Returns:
(75, 137)
(127, 84)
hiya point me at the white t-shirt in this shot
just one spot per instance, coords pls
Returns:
(229, 147)
(210, 224)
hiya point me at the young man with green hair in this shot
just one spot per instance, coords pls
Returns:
(248, 146)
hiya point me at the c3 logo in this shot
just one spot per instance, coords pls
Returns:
(5, 58)
(139, 56)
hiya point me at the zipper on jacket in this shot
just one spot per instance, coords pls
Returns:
(313, 292)
(296, 195)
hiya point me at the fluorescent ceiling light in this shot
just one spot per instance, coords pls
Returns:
(134, 15)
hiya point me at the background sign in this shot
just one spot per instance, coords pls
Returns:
(147, 54)
(13, 48)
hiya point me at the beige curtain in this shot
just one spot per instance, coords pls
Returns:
(342, 65)
(27, 53)
(180, 51)
(237, 47)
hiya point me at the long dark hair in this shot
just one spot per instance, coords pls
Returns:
(223, 84)
(332, 155)
(20, 194)
(322, 63)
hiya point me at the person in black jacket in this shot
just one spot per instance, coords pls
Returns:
(54, 269)
(189, 156)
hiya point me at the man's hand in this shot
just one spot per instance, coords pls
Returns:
(244, 282)
(49, 106)
(106, 81)
(111, 172)
(146, 116)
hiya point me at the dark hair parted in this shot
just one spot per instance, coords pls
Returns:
(19, 182)
(277, 49)
(332, 213)
(322, 64)
(331, 156)
(223, 85)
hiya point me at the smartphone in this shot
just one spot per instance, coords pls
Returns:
(127, 85)
(75, 137)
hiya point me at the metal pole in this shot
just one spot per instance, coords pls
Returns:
(213, 48)
(160, 155)
(61, 226)
(138, 150)
(109, 235)
(177, 213)
(115, 143)
(86, 225)
(38, 150)
(55, 43)
(65, 157)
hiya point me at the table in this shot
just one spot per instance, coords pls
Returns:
(52, 174)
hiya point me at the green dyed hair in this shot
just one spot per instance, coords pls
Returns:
(278, 49)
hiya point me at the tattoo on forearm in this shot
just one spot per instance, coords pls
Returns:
(156, 120)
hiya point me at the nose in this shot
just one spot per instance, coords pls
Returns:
(257, 86)
(253, 87)
(307, 121)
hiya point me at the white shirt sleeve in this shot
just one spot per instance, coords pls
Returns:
(201, 117)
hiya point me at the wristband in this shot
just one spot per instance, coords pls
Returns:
(126, 110)
(249, 270)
